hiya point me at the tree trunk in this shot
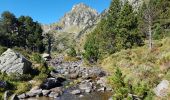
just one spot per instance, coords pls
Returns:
(150, 36)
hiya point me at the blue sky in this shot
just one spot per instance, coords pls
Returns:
(47, 11)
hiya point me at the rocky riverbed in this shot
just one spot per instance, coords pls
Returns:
(71, 81)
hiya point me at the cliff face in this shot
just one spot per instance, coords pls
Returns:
(80, 16)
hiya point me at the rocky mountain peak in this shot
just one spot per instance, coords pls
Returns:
(79, 17)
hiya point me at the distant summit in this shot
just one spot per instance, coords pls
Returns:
(78, 18)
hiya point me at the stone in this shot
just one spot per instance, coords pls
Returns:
(97, 72)
(46, 56)
(14, 97)
(3, 84)
(88, 90)
(35, 88)
(102, 89)
(76, 92)
(53, 95)
(58, 90)
(34, 93)
(50, 83)
(45, 92)
(6, 95)
(108, 88)
(162, 88)
(13, 62)
(102, 81)
(85, 86)
(81, 96)
(73, 76)
(22, 96)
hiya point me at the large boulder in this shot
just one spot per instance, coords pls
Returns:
(13, 62)
(162, 88)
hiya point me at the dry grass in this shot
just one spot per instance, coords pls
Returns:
(141, 64)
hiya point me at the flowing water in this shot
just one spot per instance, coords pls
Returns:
(68, 96)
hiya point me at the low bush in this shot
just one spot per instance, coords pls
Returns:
(36, 57)
(2, 49)
(123, 88)
(71, 52)
(22, 87)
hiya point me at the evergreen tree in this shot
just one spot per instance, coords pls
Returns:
(128, 34)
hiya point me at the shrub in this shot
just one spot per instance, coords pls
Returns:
(123, 88)
(2, 49)
(72, 52)
(36, 57)
(18, 77)
(41, 77)
(24, 52)
(23, 87)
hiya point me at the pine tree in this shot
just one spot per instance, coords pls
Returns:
(128, 34)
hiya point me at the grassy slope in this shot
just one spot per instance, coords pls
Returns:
(140, 64)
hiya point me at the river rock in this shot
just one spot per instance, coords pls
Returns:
(13, 62)
(22, 96)
(76, 92)
(102, 81)
(50, 83)
(96, 72)
(102, 89)
(45, 92)
(6, 95)
(46, 56)
(3, 84)
(14, 97)
(35, 88)
(73, 76)
(162, 88)
(53, 95)
(86, 86)
(88, 90)
(58, 90)
(34, 93)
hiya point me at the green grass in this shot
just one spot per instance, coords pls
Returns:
(2, 49)
(141, 64)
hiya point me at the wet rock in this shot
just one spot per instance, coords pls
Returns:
(76, 92)
(45, 92)
(162, 88)
(53, 95)
(50, 83)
